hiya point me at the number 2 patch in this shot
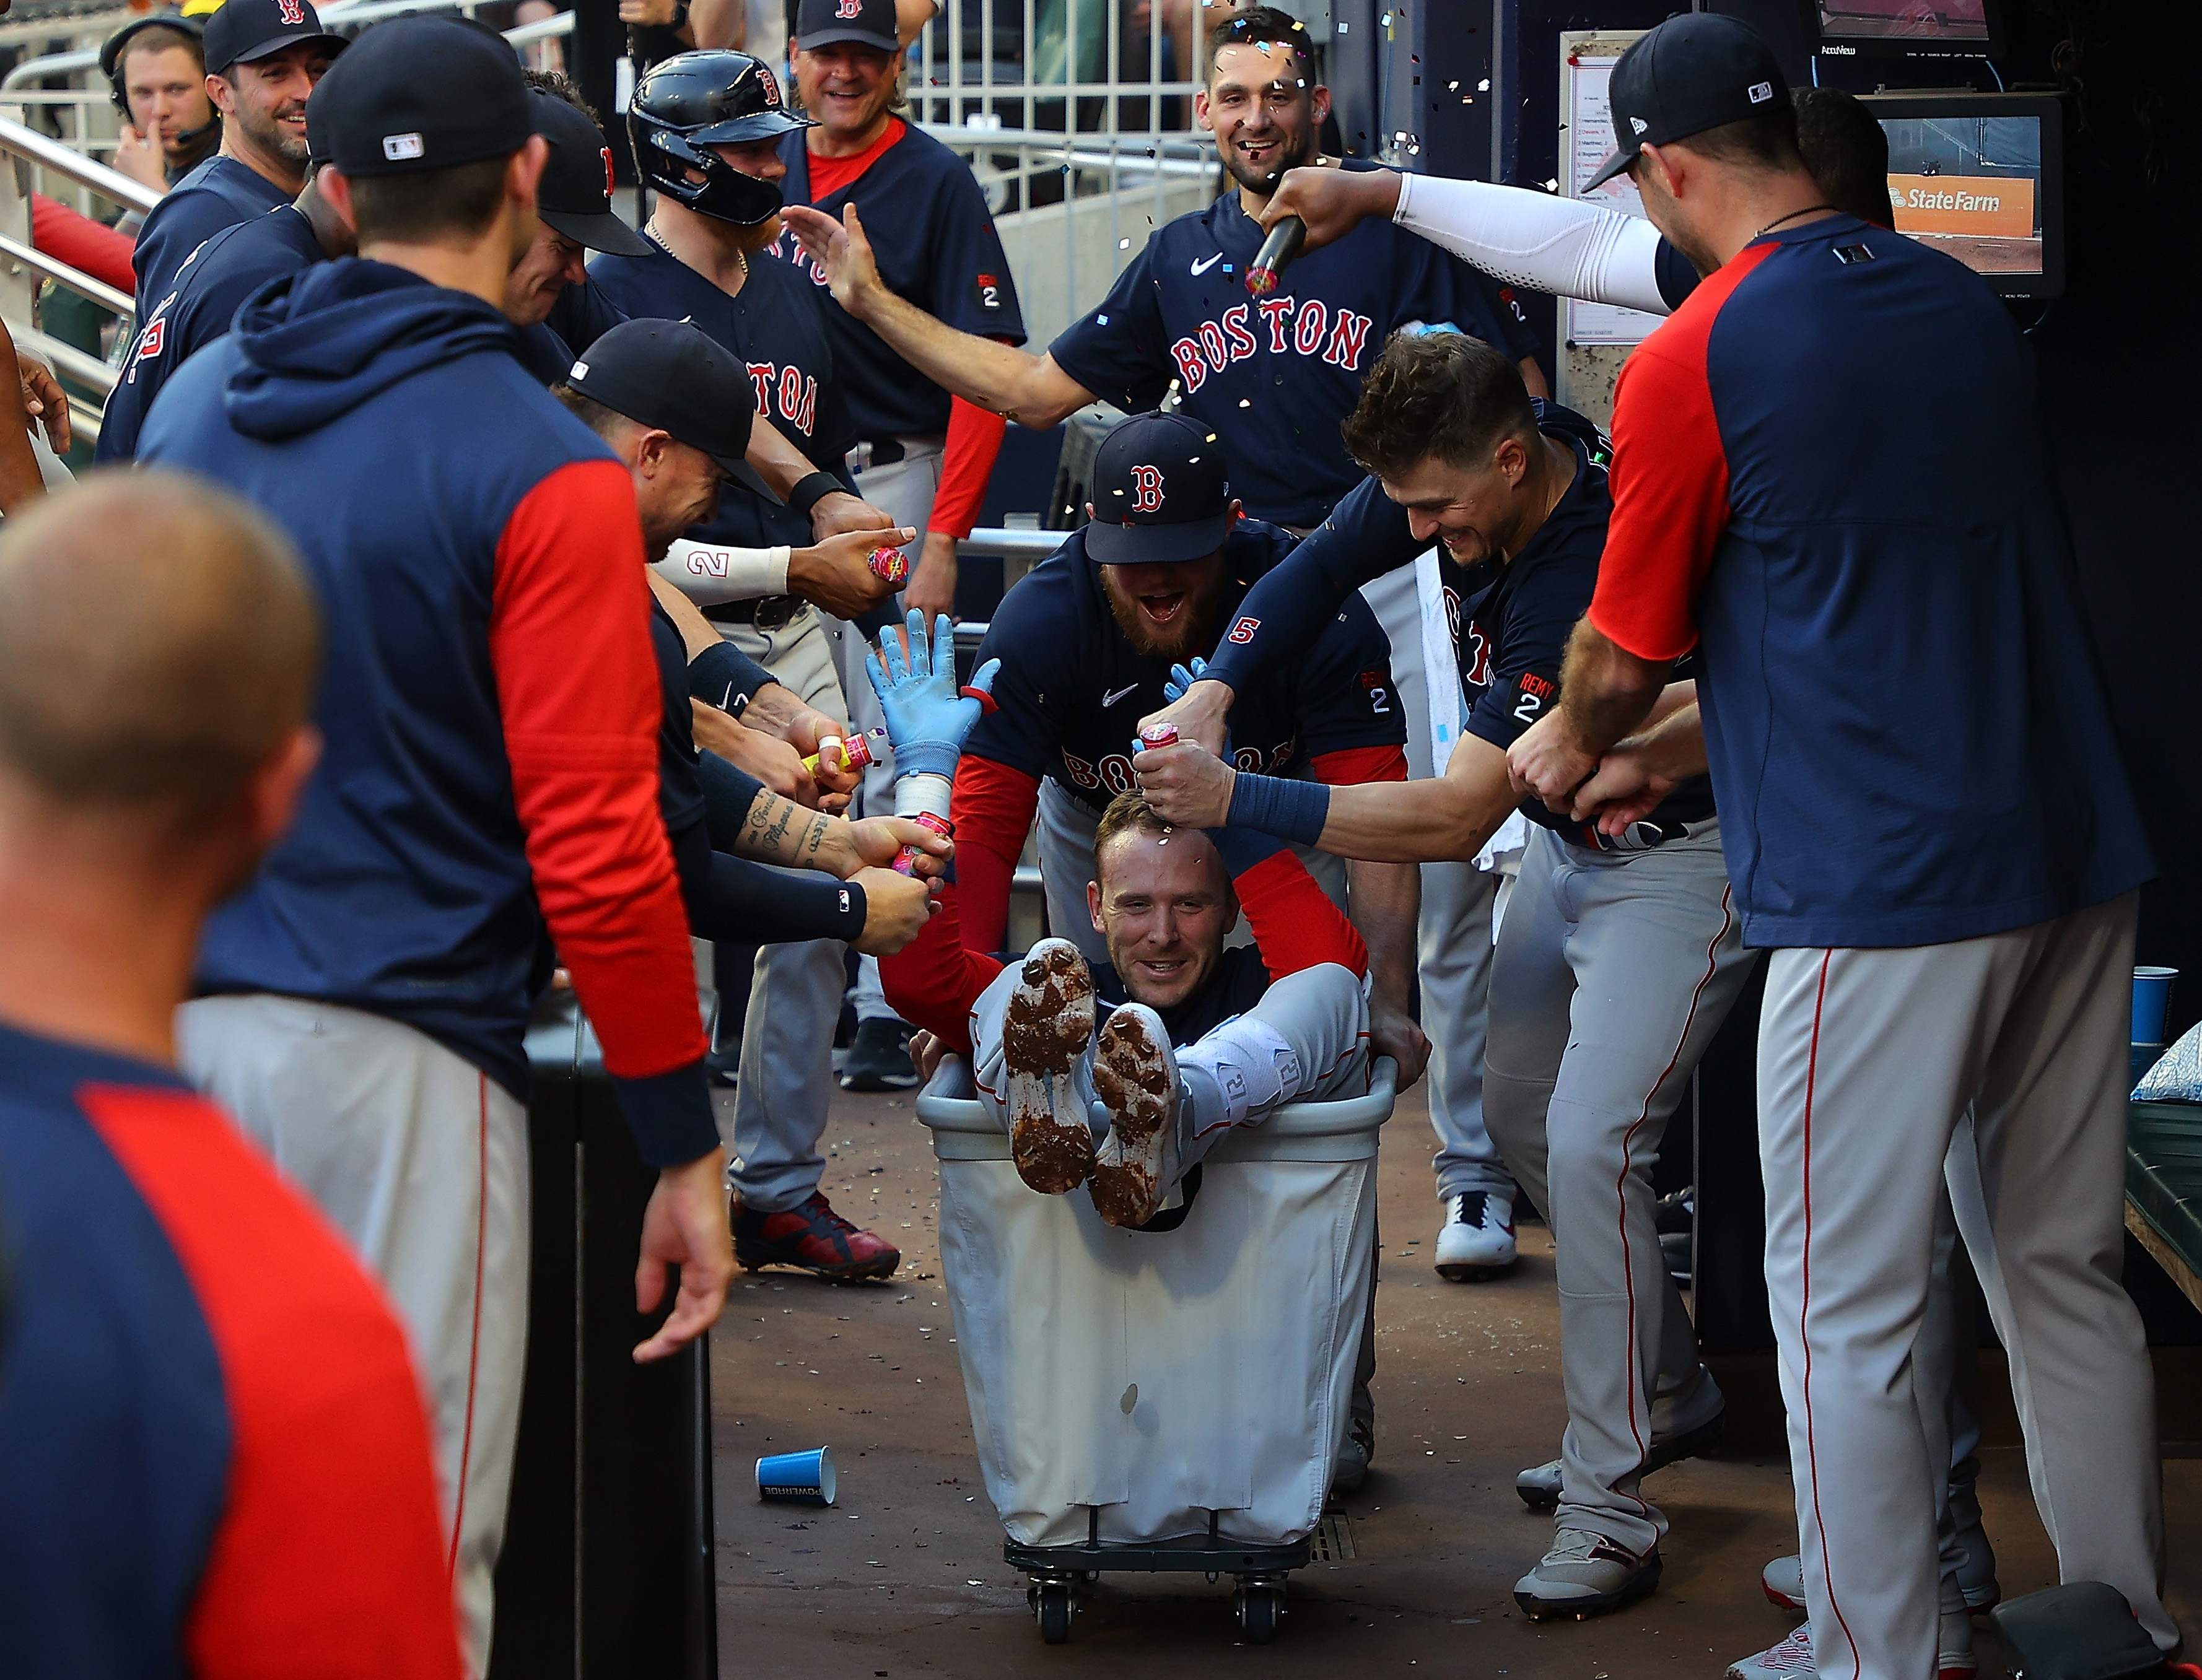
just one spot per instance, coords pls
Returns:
(1533, 691)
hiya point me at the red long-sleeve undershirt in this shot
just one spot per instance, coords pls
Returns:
(966, 465)
(82, 242)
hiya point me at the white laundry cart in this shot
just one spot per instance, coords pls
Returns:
(1170, 1398)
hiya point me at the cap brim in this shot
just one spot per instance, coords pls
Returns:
(827, 38)
(598, 230)
(276, 44)
(741, 472)
(1615, 161)
(1155, 545)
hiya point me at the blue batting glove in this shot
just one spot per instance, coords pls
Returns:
(928, 716)
(1181, 679)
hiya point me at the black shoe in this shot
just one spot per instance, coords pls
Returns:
(878, 1060)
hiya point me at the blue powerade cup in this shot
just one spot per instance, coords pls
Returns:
(801, 1478)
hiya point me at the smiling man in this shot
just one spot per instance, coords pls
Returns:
(1617, 959)
(262, 60)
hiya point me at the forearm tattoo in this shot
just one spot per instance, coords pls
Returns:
(779, 831)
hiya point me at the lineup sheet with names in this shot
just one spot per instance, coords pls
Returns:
(1589, 138)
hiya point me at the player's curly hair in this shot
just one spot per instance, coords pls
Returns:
(1440, 394)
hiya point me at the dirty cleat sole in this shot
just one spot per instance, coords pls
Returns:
(1135, 1076)
(1047, 1027)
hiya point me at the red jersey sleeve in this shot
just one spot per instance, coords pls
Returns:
(1294, 924)
(569, 638)
(76, 239)
(1349, 765)
(933, 981)
(992, 806)
(330, 1558)
(967, 464)
(1670, 480)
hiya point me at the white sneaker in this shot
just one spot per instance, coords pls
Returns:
(1792, 1660)
(1785, 1578)
(1476, 1241)
(1685, 1419)
(1782, 1581)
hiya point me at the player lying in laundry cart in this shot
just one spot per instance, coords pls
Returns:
(1176, 1039)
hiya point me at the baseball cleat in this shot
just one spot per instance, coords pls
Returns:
(1782, 1581)
(878, 1057)
(1977, 1571)
(1046, 1031)
(810, 1235)
(1792, 1660)
(1585, 1574)
(1695, 1404)
(1476, 1242)
(1135, 1076)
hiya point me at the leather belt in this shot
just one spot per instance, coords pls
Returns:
(875, 452)
(764, 612)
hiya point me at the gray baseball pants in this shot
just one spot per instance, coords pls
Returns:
(1322, 1012)
(1454, 940)
(1613, 971)
(421, 1160)
(1867, 1060)
(787, 1074)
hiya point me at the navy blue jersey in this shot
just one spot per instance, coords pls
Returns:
(778, 324)
(1277, 376)
(1832, 477)
(584, 313)
(1510, 622)
(215, 281)
(681, 795)
(218, 193)
(1072, 689)
(936, 246)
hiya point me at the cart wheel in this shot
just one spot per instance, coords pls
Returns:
(1259, 1607)
(1051, 1604)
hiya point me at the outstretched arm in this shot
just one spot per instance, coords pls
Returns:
(1031, 390)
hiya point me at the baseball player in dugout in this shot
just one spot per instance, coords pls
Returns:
(1918, 979)
(707, 128)
(486, 771)
(212, 1455)
(923, 456)
(1618, 957)
(1273, 378)
(262, 59)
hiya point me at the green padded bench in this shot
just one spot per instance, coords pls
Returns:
(2163, 1188)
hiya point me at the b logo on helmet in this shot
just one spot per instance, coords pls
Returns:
(611, 183)
(291, 11)
(771, 87)
(849, 8)
(1146, 490)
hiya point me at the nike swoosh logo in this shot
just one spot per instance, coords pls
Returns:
(1111, 698)
(1203, 267)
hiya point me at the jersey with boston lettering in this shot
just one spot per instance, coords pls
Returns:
(1276, 376)
(1071, 687)
(777, 325)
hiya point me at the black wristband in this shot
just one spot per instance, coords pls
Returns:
(725, 676)
(812, 488)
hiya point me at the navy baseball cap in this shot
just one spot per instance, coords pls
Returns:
(674, 377)
(820, 23)
(1159, 492)
(576, 196)
(421, 93)
(245, 30)
(1692, 73)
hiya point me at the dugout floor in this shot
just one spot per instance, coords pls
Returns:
(904, 1576)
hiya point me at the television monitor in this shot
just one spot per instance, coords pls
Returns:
(1910, 28)
(1980, 176)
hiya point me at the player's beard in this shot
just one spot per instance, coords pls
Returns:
(1292, 154)
(1192, 632)
(268, 133)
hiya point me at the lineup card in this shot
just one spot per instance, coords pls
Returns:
(1584, 143)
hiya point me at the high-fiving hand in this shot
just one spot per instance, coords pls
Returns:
(928, 716)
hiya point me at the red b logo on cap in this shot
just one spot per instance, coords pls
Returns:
(1146, 490)
(291, 11)
(849, 8)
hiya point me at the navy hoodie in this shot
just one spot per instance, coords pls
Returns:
(489, 699)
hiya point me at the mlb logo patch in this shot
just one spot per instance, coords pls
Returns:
(402, 148)
(1760, 92)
